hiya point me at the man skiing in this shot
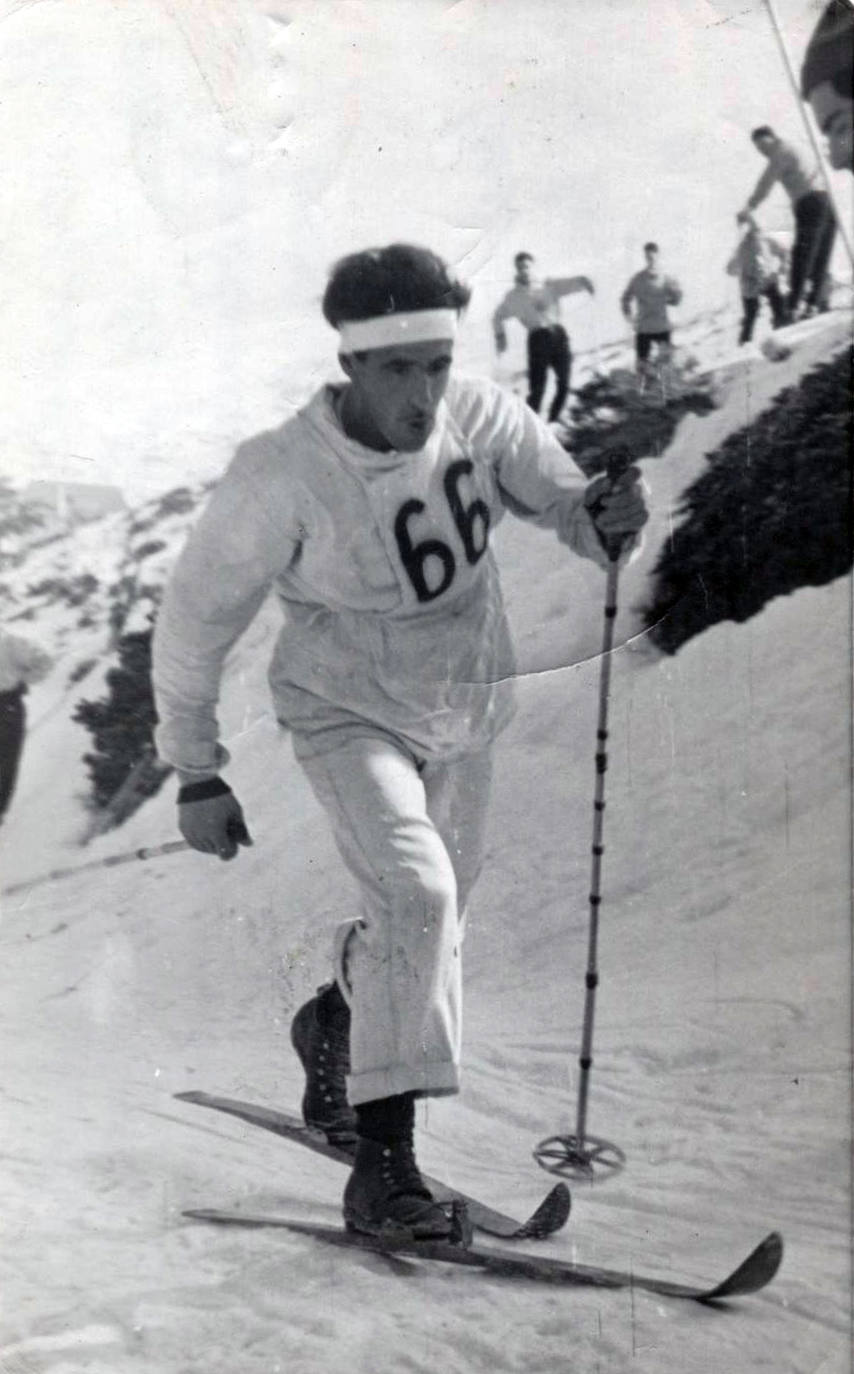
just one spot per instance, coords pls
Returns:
(371, 513)
(815, 226)
(826, 79)
(537, 306)
(645, 303)
(757, 262)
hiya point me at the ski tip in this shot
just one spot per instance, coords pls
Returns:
(194, 1095)
(552, 1213)
(755, 1272)
(768, 1254)
(772, 1244)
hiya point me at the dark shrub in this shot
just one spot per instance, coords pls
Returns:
(122, 727)
(772, 512)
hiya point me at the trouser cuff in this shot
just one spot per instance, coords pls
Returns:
(428, 1080)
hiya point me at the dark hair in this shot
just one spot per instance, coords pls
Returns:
(650, 247)
(830, 51)
(383, 281)
(763, 131)
(523, 257)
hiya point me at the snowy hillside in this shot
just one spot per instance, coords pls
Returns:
(722, 1047)
(75, 590)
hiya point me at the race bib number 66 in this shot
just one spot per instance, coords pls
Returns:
(430, 563)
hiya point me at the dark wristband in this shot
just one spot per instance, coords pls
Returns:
(202, 791)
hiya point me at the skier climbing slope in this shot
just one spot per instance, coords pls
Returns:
(371, 512)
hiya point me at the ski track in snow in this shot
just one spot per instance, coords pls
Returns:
(721, 1051)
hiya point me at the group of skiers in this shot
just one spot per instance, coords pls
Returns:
(758, 262)
(645, 303)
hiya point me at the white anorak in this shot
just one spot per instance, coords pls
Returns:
(536, 305)
(381, 561)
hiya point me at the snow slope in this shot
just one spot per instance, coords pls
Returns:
(722, 1048)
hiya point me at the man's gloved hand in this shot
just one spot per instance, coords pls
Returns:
(617, 508)
(210, 818)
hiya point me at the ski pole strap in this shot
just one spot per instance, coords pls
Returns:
(203, 790)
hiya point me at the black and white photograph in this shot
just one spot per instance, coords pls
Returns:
(426, 686)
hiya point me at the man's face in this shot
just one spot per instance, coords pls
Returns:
(651, 255)
(834, 115)
(524, 271)
(396, 391)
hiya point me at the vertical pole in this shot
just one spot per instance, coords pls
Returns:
(597, 849)
(580, 1155)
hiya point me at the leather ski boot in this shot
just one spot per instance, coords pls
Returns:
(386, 1195)
(320, 1034)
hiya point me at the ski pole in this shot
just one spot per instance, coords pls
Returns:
(579, 1155)
(152, 852)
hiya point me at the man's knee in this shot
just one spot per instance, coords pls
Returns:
(429, 895)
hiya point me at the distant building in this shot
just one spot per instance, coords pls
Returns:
(74, 503)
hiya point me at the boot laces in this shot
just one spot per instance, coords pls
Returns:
(331, 1067)
(400, 1172)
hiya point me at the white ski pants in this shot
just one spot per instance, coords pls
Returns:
(412, 836)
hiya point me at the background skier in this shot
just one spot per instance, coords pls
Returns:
(536, 305)
(646, 304)
(757, 262)
(815, 226)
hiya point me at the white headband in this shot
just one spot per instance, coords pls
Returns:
(383, 331)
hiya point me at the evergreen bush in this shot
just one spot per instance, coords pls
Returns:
(771, 514)
(122, 728)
